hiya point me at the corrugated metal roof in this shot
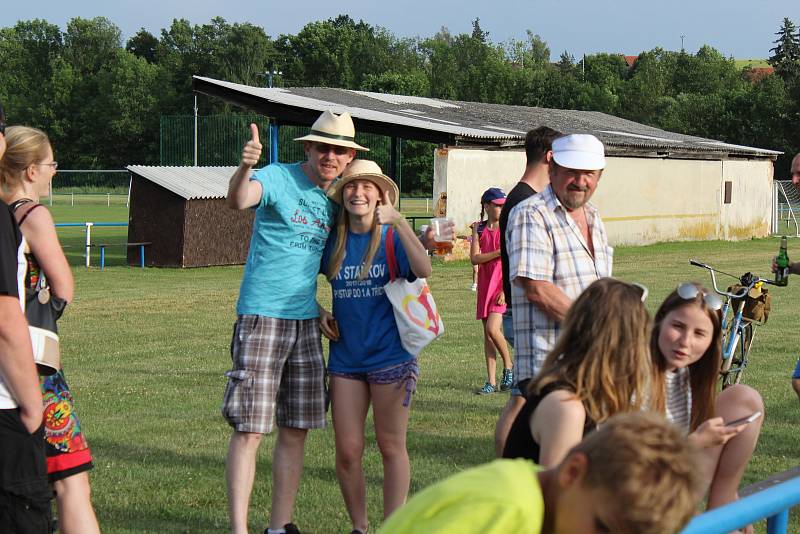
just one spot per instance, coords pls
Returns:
(465, 123)
(188, 182)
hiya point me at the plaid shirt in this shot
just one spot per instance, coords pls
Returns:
(544, 243)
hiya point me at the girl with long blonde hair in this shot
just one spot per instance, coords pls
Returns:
(599, 366)
(367, 362)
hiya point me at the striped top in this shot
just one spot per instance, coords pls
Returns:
(679, 398)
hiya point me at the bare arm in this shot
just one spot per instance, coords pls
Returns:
(16, 362)
(40, 233)
(546, 296)
(244, 193)
(418, 258)
(557, 426)
(475, 254)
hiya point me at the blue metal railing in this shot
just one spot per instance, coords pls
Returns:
(773, 504)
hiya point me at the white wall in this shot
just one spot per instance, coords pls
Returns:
(641, 200)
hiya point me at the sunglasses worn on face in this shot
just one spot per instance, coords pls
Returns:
(324, 148)
(689, 291)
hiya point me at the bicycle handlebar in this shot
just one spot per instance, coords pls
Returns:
(748, 280)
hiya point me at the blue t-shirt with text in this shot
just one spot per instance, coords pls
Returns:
(291, 226)
(369, 339)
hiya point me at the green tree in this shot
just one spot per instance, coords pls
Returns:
(144, 45)
(786, 53)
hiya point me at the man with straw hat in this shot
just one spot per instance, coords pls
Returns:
(278, 367)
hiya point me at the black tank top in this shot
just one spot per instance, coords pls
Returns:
(520, 442)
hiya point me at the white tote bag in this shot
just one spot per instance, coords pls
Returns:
(415, 311)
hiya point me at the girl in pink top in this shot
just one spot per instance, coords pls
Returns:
(485, 252)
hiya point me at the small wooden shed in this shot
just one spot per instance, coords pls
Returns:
(181, 211)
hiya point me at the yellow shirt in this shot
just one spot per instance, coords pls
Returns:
(502, 496)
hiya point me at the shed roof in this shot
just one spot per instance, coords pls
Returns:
(457, 123)
(188, 182)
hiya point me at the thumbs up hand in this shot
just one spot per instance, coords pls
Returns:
(252, 149)
(385, 212)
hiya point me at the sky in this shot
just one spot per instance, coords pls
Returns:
(743, 29)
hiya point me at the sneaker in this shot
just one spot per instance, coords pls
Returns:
(474, 287)
(290, 528)
(507, 381)
(487, 389)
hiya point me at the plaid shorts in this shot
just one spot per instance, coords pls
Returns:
(278, 372)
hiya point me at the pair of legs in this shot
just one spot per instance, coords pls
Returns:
(724, 466)
(494, 343)
(277, 376)
(74, 505)
(287, 468)
(350, 400)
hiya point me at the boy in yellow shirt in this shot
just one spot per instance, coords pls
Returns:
(635, 474)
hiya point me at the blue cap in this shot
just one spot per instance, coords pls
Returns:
(494, 195)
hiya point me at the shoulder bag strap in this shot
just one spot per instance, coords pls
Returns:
(391, 259)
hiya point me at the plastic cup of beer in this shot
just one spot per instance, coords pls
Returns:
(442, 235)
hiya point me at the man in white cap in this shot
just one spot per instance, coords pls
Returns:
(557, 246)
(278, 368)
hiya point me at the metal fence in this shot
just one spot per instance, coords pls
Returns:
(220, 138)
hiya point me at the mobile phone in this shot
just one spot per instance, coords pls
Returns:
(744, 420)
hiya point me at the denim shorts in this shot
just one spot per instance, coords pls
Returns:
(796, 375)
(402, 374)
(508, 327)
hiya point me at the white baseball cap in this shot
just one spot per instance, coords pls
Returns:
(579, 151)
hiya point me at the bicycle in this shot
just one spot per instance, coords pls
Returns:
(738, 330)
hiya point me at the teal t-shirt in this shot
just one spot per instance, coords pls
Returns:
(291, 226)
(369, 337)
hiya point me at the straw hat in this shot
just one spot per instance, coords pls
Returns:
(364, 169)
(333, 129)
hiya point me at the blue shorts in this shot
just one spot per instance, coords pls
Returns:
(508, 327)
(796, 375)
(520, 389)
(402, 374)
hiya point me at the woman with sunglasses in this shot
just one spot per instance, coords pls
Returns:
(686, 347)
(599, 366)
(26, 171)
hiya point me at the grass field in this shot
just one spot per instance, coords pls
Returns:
(750, 63)
(145, 352)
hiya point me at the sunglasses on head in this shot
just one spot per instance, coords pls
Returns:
(689, 291)
(642, 290)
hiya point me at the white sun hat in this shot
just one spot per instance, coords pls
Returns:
(333, 129)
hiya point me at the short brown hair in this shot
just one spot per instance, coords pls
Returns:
(539, 142)
(647, 464)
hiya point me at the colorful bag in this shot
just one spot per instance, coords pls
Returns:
(415, 312)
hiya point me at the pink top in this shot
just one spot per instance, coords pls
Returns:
(490, 275)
